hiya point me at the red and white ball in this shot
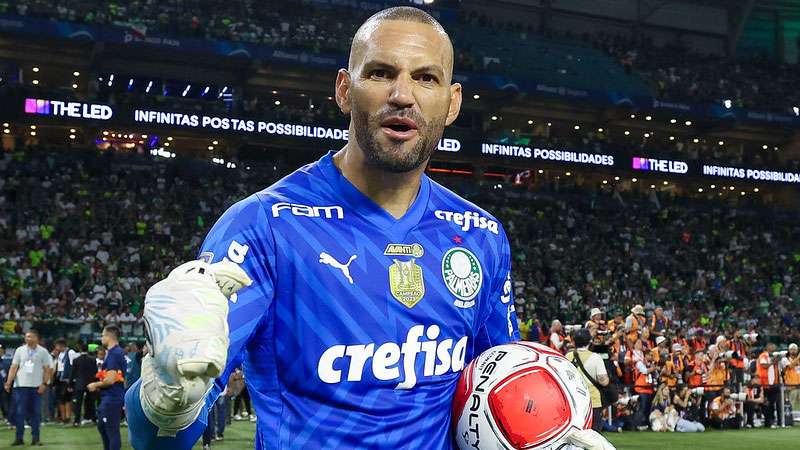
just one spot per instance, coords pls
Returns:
(519, 396)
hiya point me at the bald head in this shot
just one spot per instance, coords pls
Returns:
(362, 38)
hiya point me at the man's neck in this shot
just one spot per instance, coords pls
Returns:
(394, 192)
(32, 347)
(112, 345)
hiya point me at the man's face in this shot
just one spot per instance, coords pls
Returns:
(31, 339)
(106, 337)
(101, 354)
(398, 94)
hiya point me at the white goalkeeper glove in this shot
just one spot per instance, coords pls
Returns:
(589, 440)
(186, 316)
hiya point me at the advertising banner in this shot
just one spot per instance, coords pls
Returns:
(458, 144)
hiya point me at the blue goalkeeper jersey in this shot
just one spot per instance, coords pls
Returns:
(357, 325)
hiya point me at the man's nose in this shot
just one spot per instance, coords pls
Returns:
(402, 95)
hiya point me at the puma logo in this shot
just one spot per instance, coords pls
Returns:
(325, 258)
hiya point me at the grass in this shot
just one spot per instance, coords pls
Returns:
(240, 436)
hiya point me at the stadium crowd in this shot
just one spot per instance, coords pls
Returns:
(679, 283)
(678, 73)
(673, 71)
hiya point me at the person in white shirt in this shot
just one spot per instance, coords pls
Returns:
(30, 374)
(556, 338)
(126, 321)
(594, 368)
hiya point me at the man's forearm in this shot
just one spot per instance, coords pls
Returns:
(12, 374)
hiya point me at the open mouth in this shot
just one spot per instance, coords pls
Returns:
(399, 128)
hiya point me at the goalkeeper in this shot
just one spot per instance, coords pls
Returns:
(353, 291)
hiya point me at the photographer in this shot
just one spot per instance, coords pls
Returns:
(790, 368)
(767, 370)
(556, 341)
(634, 324)
(659, 323)
(674, 366)
(722, 412)
(754, 402)
(660, 351)
(644, 387)
(739, 348)
(686, 405)
(598, 328)
(624, 411)
(593, 370)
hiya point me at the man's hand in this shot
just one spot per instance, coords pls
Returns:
(7, 387)
(91, 387)
(589, 440)
(42, 387)
(187, 329)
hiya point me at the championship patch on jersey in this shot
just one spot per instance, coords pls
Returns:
(462, 275)
(405, 277)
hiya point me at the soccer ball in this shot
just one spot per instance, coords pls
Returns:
(519, 396)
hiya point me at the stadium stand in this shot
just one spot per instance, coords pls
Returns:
(599, 61)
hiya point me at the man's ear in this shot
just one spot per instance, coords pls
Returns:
(455, 103)
(343, 90)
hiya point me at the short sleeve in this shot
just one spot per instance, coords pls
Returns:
(47, 360)
(116, 361)
(17, 357)
(599, 366)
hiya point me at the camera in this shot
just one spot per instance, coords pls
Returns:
(750, 337)
(697, 390)
(780, 354)
(624, 401)
(727, 355)
(741, 396)
(570, 328)
(603, 332)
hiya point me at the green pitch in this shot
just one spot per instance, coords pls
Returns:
(239, 436)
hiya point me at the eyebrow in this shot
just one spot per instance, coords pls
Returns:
(377, 64)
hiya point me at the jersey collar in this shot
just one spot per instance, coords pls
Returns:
(368, 209)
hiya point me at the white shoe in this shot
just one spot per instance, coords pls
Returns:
(245, 414)
(237, 417)
(253, 418)
(772, 427)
